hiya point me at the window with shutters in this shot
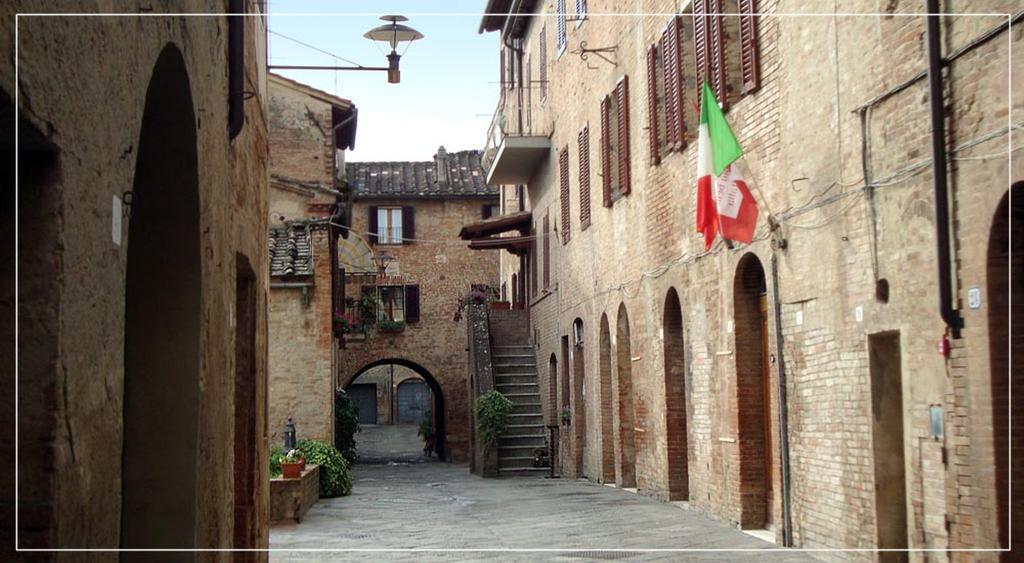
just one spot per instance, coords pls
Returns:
(389, 225)
(726, 50)
(560, 30)
(529, 96)
(583, 144)
(563, 177)
(542, 52)
(615, 156)
(391, 303)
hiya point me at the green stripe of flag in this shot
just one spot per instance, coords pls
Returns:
(725, 149)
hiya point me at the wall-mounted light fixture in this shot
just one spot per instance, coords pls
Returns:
(392, 33)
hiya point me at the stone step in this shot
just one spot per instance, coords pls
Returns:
(514, 384)
(527, 418)
(514, 429)
(527, 357)
(527, 408)
(522, 439)
(515, 462)
(523, 471)
(515, 378)
(512, 347)
(519, 450)
(513, 396)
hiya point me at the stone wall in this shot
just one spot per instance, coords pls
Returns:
(807, 153)
(76, 245)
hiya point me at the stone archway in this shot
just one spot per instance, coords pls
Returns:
(441, 443)
(675, 399)
(753, 394)
(626, 459)
(162, 321)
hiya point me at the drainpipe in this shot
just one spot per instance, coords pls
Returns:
(938, 115)
(787, 509)
(236, 67)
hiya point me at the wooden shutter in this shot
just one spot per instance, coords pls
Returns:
(675, 109)
(547, 251)
(412, 303)
(750, 55)
(371, 236)
(408, 224)
(716, 39)
(606, 152)
(563, 172)
(622, 126)
(700, 44)
(652, 103)
(533, 259)
(583, 142)
(529, 95)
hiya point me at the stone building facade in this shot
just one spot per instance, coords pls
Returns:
(792, 384)
(142, 213)
(412, 212)
(309, 130)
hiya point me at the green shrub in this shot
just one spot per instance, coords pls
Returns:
(275, 461)
(492, 415)
(335, 476)
(346, 424)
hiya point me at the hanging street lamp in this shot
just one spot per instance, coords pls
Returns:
(394, 34)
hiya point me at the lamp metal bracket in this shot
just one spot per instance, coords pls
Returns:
(584, 52)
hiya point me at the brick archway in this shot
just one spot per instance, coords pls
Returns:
(441, 443)
(677, 447)
(605, 420)
(626, 458)
(1008, 446)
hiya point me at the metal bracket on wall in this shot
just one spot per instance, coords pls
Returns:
(583, 51)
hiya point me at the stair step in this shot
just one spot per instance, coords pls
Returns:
(513, 347)
(510, 395)
(522, 471)
(515, 378)
(511, 356)
(520, 462)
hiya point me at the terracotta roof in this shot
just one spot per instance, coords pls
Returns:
(462, 176)
(291, 253)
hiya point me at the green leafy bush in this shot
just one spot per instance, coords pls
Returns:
(492, 416)
(346, 424)
(335, 475)
(276, 453)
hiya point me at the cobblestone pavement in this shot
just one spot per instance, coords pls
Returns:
(441, 506)
(381, 443)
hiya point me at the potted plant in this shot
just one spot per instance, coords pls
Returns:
(292, 464)
(385, 326)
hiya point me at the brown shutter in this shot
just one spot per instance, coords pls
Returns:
(700, 44)
(606, 152)
(371, 236)
(408, 224)
(622, 125)
(750, 55)
(716, 38)
(533, 259)
(412, 303)
(547, 251)
(652, 103)
(583, 143)
(675, 110)
(563, 171)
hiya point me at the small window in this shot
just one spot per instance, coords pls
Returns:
(491, 210)
(389, 225)
(391, 303)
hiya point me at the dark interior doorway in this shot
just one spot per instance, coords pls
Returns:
(675, 399)
(627, 414)
(365, 395)
(162, 320)
(246, 530)
(887, 434)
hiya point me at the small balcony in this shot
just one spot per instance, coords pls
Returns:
(512, 153)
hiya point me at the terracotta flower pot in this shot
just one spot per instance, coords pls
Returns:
(291, 470)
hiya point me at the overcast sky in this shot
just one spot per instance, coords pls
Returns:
(449, 78)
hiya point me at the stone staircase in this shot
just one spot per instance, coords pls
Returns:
(515, 376)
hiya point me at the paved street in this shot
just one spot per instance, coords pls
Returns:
(442, 506)
(381, 443)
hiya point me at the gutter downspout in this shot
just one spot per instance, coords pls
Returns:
(950, 315)
(787, 508)
(236, 67)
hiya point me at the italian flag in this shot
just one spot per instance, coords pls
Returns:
(724, 203)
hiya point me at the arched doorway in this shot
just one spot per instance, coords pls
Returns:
(579, 395)
(626, 411)
(433, 398)
(162, 320)
(1007, 442)
(675, 399)
(607, 473)
(753, 389)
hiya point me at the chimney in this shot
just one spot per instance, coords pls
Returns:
(441, 167)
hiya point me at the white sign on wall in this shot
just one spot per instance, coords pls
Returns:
(115, 221)
(974, 297)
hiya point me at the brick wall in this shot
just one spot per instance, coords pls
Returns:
(821, 123)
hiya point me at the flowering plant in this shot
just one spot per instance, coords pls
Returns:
(293, 456)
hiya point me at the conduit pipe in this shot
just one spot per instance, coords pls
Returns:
(236, 67)
(937, 112)
(787, 518)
